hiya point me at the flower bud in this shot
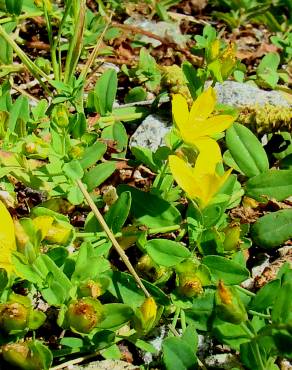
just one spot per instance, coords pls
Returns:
(189, 285)
(232, 237)
(145, 316)
(60, 115)
(29, 355)
(228, 305)
(43, 64)
(13, 317)
(84, 315)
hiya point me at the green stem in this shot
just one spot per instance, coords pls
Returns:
(183, 320)
(56, 43)
(259, 314)
(247, 331)
(51, 41)
(245, 291)
(112, 238)
(175, 317)
(258, 356)
(75, 42)
(164, 230)
(20, 17)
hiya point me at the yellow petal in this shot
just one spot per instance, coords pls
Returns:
(211, 184)
(7, 238)
(209, 156)
(214, 125)
(183, 175)
(180, 111)
(203, 106)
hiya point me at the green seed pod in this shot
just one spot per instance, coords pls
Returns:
(43, 64)
(84, 315)
(30, 355)
(13, 317)
(232, 237)
(189, 285)
(14, 6)
(228, 305)
(60, 115)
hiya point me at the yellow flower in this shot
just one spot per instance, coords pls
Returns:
(197, 183)
(197, 125)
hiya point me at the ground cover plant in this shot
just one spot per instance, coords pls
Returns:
(107, 246)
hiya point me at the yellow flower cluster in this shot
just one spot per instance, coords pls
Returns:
(196, 128)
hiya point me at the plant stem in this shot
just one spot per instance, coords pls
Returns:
(112, 238)
(94, 52)
(245, 291)
(75, 42)
(20, 17)
(183, 320)
(259, 314)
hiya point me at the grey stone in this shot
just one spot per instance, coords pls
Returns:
(105, 365)
(150, 134)
(239, 94)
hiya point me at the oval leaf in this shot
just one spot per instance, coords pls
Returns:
(275, 184)
(246, 150)
(273, 229)
(224, 269)
(99, 174)
(166, 252)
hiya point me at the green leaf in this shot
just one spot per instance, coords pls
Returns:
(151, 210)
(178, 355)
(116, 315)
(282, 308)
(118, 212)
(166, 252)
(124, 287)
(194, 82)
(275, 184)
(146, 156)
(75, 195)
(73, 170)
(136, 94)
(20, 110)
(88, 265)
(246, 150)
(224, 269)
(6, 55)
(266, 296)
(201, 311)
(118, 134)
(105, 92)
(93, 154)
(98, 174)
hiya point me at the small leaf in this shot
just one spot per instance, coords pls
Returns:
(275, 184)
(178, 355)
(224, 269)
(166, 252)
(105, 92)
(246, 150)
(98, 174)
